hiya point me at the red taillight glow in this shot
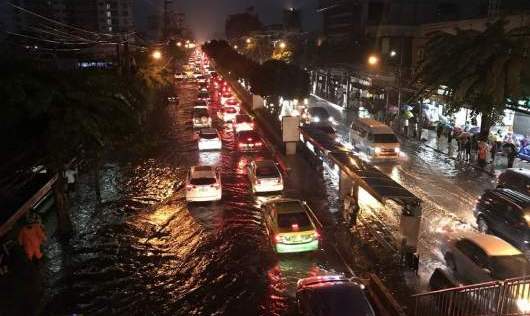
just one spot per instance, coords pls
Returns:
(295, 227)
(259, 144)
(241, 145)
(278, 238)
(317, 235)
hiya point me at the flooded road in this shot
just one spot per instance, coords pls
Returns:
(448, 188)
(144, 251)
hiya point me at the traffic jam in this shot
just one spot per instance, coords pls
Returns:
(220, 123)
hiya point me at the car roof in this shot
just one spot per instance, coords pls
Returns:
(202, 172)
(286, 205)
(375, 125)
(493, 246)
(208, 131)
(265, 163)
(520, 199)
(518, 171)
(323, 279)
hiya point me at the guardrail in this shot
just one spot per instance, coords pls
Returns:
(497, 298)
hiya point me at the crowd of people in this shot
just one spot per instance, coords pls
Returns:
(474, 147)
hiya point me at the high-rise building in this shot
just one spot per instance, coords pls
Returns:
(103, 16)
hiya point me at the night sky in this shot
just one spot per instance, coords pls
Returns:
(207, 17)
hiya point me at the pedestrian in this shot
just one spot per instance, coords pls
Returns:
(449, 137)
(511, 152)
(350, 208)
(467, 148)
(406, 127)
(482, 153)
(70, 175)
(439, 130)
(493, 150)
(31, 236)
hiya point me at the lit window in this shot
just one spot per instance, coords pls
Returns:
(110, 28)
(109, 21)
(108, 14)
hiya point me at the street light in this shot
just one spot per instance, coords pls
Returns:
(393, 53)
(248, 40)
(373, 60)
(235, 47)
(157, 55)
(179, 44)
(283, 45)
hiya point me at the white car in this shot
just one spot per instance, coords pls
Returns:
(209, 139)
(481, 258)
(203, 184)
(228, 113)
(264, 176)
(243, 122)
(225, 96)
(201, 118)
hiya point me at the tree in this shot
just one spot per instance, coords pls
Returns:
(481, 70)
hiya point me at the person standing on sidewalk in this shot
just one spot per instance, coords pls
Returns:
(493, 146)
(482, 153)
(406, 127)
(511, 152)
(467, 148)
(439, 131)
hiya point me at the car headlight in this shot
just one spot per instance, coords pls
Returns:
(331, 119)
(377, 150)
(523, 305)
(397, 150)
(316, 119)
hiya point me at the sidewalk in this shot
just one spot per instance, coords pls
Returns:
(441, 145)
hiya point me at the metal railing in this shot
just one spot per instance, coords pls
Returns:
(497, 298)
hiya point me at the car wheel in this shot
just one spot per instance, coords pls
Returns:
(450, 260)
(483, 226)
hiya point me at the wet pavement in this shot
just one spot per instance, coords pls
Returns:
(448, 188)
(144, 251)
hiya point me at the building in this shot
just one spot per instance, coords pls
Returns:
(101, 16)
(292, 20)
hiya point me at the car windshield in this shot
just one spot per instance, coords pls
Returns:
(320, 112)
(287, 220)
(208, 135)
(341, 300)
(267, 172)
(385, 138)
(202, 181)
(505, 267)
(243, 119)
(203, 95)
(326, 129)
(200, 112)
(247, 135)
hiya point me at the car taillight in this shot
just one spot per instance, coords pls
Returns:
(278, 238)
(251, 125)
(316, 235)
(295, 227)
(259, 144)
(258, 181)
(189, 187)
(241, 145)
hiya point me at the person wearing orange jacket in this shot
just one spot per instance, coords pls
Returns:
(30, 238)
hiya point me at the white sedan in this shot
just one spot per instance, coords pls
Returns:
(203, 184)
(264, 176)
(228, 113)
(209, 139)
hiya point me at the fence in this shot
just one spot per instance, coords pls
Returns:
(497, 298)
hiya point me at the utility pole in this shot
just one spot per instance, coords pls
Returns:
(166, 18)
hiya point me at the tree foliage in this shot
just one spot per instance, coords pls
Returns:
(272, 78)
(481, 70)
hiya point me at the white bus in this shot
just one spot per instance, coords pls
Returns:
(374, 138)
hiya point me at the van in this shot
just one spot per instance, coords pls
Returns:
(374, 139)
